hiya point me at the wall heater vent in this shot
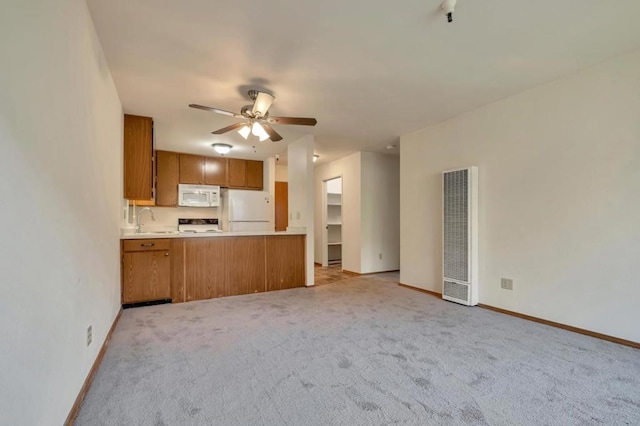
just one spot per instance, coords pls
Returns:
(460, 236)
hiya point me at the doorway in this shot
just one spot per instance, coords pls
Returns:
(332, 214)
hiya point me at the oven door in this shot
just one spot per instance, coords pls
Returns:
(196, 198)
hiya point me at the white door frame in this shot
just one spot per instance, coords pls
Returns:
(325, 208)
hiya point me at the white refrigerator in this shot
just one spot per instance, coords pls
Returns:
(246, 211)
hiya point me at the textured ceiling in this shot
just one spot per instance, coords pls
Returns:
(369, 71)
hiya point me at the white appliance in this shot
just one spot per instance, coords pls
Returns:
(198, 195)
(246, 211)
(460, 236)
(198, 225)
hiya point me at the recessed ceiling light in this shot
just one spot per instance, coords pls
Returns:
(221, 148)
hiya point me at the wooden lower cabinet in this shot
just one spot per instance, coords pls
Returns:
(285, 262)
(245, 265)
(146, 272)
(188, 269)
(204, 268)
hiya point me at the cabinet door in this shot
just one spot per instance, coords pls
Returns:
(254, 174)
(245, 265)
(285, 261)
(168, 177)
(191, 169)
(215, 171)
(146, 276)
(138, 157)
(237, 173)
(204, 268)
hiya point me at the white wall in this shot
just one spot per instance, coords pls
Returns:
(349, 168)
(282, 175)
(60, 189)
(300, 192)
(380, 211)
(559, 198)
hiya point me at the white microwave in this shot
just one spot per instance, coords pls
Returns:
(198, 195)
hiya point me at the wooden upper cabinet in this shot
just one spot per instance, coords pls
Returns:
(215, 171)
(138, 157)
(192, 169)
(237, 173)
(254, 174)
(167, 178)
(245, 173)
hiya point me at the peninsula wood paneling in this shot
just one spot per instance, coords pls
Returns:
(204, 264)
(245, 265)
(285, 262)
(192, 169)
(177, 271)
(138, 157)
(168, 177)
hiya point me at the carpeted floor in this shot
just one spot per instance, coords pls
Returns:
(364, 352)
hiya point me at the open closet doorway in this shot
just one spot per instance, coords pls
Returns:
(332, 215)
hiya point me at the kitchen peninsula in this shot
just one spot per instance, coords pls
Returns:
(186, 267)
(183, 267)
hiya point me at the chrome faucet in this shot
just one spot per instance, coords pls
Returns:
(140, 214)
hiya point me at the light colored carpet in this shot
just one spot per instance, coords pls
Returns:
(362, 352)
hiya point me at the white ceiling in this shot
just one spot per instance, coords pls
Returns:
(369, 71)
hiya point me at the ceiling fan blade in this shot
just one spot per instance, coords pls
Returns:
(262, 104)
(229, 128)
(219, 111)
(299, 121)
(273, 135)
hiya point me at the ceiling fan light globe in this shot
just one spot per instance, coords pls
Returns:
(244, 132)
(258, 130)
(262, 104)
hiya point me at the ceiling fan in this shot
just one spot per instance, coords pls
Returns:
(259, 122)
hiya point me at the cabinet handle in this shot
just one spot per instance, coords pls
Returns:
(147, 245)
(166, 253)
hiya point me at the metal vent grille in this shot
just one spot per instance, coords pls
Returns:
(456, 225)
(457, 291)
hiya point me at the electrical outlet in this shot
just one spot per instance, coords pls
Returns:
(298, 215)
(506, 283)
(89, 335)
(380, 256)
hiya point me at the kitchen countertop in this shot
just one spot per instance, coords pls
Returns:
(176, 234)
